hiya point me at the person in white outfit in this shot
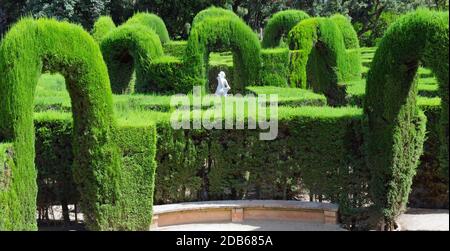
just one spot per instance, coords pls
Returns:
(222, 87)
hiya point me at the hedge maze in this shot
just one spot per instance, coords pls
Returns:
(361, 127)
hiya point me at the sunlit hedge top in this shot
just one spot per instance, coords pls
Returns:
(348, 32)
(153, 21)
(102, 27)
(213, 12)
(279, 26)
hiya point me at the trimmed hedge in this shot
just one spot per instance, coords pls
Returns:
(102, 27)
(327, 162)
(275, 67)
(279, 26)
(212, 12)
(130, 48)
(152, 21)
(348, 32)
(353, 67)
(33, 46)
(396, 127)
(430, 187)
(322, 59)
(223, 34)
(54, 162)
(11, 217)
(167, 76)
(70, 50)
(175, 48)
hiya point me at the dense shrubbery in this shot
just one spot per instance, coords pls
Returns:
(102, 27)
(220, 34)
(323, 57)
(175, 48)
(396, 128)
(212, 12)
(130, 49)
(192, 166)
(279, 26)
(275, 67)
(152, 21)
(33, 46)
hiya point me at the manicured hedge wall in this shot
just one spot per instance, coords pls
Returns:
(175, 48)
(396, 128)
(322, 59)
(152, 21)
(222, 164)
(319, 150)
(221, 34)
(275, 67)
(279, 26)
(102, 27)
(167, 77)
(11, 217)
(130, 49)
(54, 160)
(430, 186)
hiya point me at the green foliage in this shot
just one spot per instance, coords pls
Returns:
(279, 26)
(348, 32)
(430, 186)
(33, 46)
(54, 161)
(130, 48)
(167, 76)
(396, 128)
(223, 34)
(275, 67)
(102, 27)
(323, 57)
(175, 48)
(152, 21)
(77, 57)
(10, 215)
(327, 161)
(212, 12)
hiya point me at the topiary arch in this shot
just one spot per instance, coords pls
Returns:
(221, 34)
(396, 127)
(130, 48)
(212, 12)
(352, 70)
(152, 21)
(279, 26)
(348, 32)
(319, 57)
(29, 48)
(102, 27)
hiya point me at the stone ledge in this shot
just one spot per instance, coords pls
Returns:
(239, 211)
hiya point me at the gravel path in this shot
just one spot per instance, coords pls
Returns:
(425, 220)
(254, 226)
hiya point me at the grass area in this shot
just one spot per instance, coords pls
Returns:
(222, 58)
